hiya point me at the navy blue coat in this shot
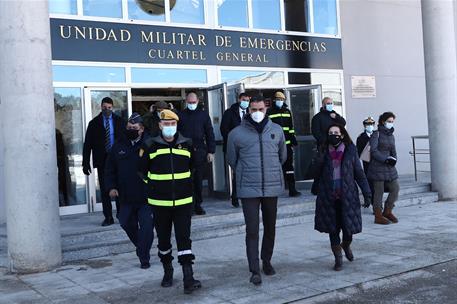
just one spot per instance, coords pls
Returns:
(121, 172)
(351, 175)
(197, 126)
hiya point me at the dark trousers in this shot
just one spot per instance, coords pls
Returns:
(234, 196)
(106, 200)
(251, 217)
(288, 169)
(379, 187)
(137, 222)
(370, 182)
(197, 179)
(335, 236)
(180, 217)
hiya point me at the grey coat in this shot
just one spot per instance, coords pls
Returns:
(257, 159)
(382, 144)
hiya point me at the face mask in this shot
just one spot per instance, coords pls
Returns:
(369, 129)
(244, 104)
(334, 140)
(329, 107)
(132, 134)
(279, 103)
(169, 131)
(389, 125)
(192, 106)
(107, 112)
(258, 116)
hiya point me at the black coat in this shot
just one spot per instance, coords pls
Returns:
(322, 121)
(197, 126)
(151, 122)
(382, 144)
(351, 175)
(95, 139)
(230, 120)
(121, 172)
(283, 117)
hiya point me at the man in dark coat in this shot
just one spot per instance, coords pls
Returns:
(101, 134)
(230, 120)
(123, 182)
(151, 120)
(324, 119)
(196, 124)
(280, 114)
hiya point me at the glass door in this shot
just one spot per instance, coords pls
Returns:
(122, 106)
(304, 103)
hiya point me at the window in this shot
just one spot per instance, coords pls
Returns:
(157, 11)
(266, 14)
(253, 77)
(145, 75)
(232, 13)
(103, 8)
(67, 73)
(187, 11)
(63, 7)
(317, 16)
(325, 18)
(296, 13)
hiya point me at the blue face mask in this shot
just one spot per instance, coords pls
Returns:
(279, 103)
(192, 106)
(369, 128)
(169, 131)
(329, 107)
(244, 104)
(389, 125)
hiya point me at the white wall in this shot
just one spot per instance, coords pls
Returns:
(384, 38)
(2, 183)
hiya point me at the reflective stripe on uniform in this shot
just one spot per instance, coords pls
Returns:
(288, 142)
(145, 181)
(291, 131)
(179, 202)
(167, 151)
(286, 128)
(289, 172)
(164, 177)
(279, 115)
(165, 252)
(184, 252)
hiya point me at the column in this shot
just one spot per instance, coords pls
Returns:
(440, 51)
(27, 127)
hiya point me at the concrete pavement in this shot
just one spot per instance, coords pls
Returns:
(425, 236)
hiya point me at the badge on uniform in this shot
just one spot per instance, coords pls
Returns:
(141, 152)
(272, 136)
(122, 152)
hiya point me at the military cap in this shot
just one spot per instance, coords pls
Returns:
(161, 105)
(168, 115)
(369, 121)
(280, 95)
(135, 118)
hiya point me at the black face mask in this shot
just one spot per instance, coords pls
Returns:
(334, 140)
(131, 134)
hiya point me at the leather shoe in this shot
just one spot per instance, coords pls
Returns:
(268, 268)
(145, 265)
(108, 222)
(256, 279)
(235, 203)
(198, 210)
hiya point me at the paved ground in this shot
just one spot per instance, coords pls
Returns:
(389, 265)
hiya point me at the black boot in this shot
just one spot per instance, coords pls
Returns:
(167, 279)
(338, 257)
(190, 284)
(347, 250)
(292, 190)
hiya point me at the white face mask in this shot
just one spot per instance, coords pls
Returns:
(258, 116)
(192, 106)
(369, 129)
(389, 125)
(279, 103)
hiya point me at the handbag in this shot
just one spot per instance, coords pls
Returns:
(366, 153)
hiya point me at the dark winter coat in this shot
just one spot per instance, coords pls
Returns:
(382, 144)
(283, 117)
(351, 175)
(230, 120)
(151, 122)
(322, 121)
(95, 139)
(121, 172)
(197, 126)
(257, 159)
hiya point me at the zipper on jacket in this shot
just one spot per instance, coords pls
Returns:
(261, 163)
(172, 177)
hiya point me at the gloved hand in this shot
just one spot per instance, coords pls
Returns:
(87, 170)
(391, 161)
(366, 201)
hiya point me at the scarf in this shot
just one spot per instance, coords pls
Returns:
(336, 155)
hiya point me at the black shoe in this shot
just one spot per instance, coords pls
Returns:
(145, 265)
(108, 222)
(167, 279)
(235, 203)
(256, 279)
(198, 210)
(190, 284)
(294, 193)
(268, 268)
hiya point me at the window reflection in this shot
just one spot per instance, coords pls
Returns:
(232, 13)
(103, 8)
(63, 7)
(253, 77)
(157, 11)
(187, 11)
(266, 14)
(144, 75)
(69, 73)
(325, 19)
(69, 144)
(297, 15)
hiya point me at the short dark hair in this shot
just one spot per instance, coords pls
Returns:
(346, 138)
(107, 100)
(385, 116)
(192, 92)
(257, 98)
(242, 95)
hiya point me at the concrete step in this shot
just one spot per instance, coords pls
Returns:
(114, 241)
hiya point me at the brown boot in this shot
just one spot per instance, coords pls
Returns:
(378, 218)
(347, 250)
(338, 257)
(389, 215)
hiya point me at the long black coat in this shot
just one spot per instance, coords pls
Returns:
(351, 175)
(95, 140)
(230, 120)
(322, 121)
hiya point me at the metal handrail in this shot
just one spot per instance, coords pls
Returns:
(419, 151)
